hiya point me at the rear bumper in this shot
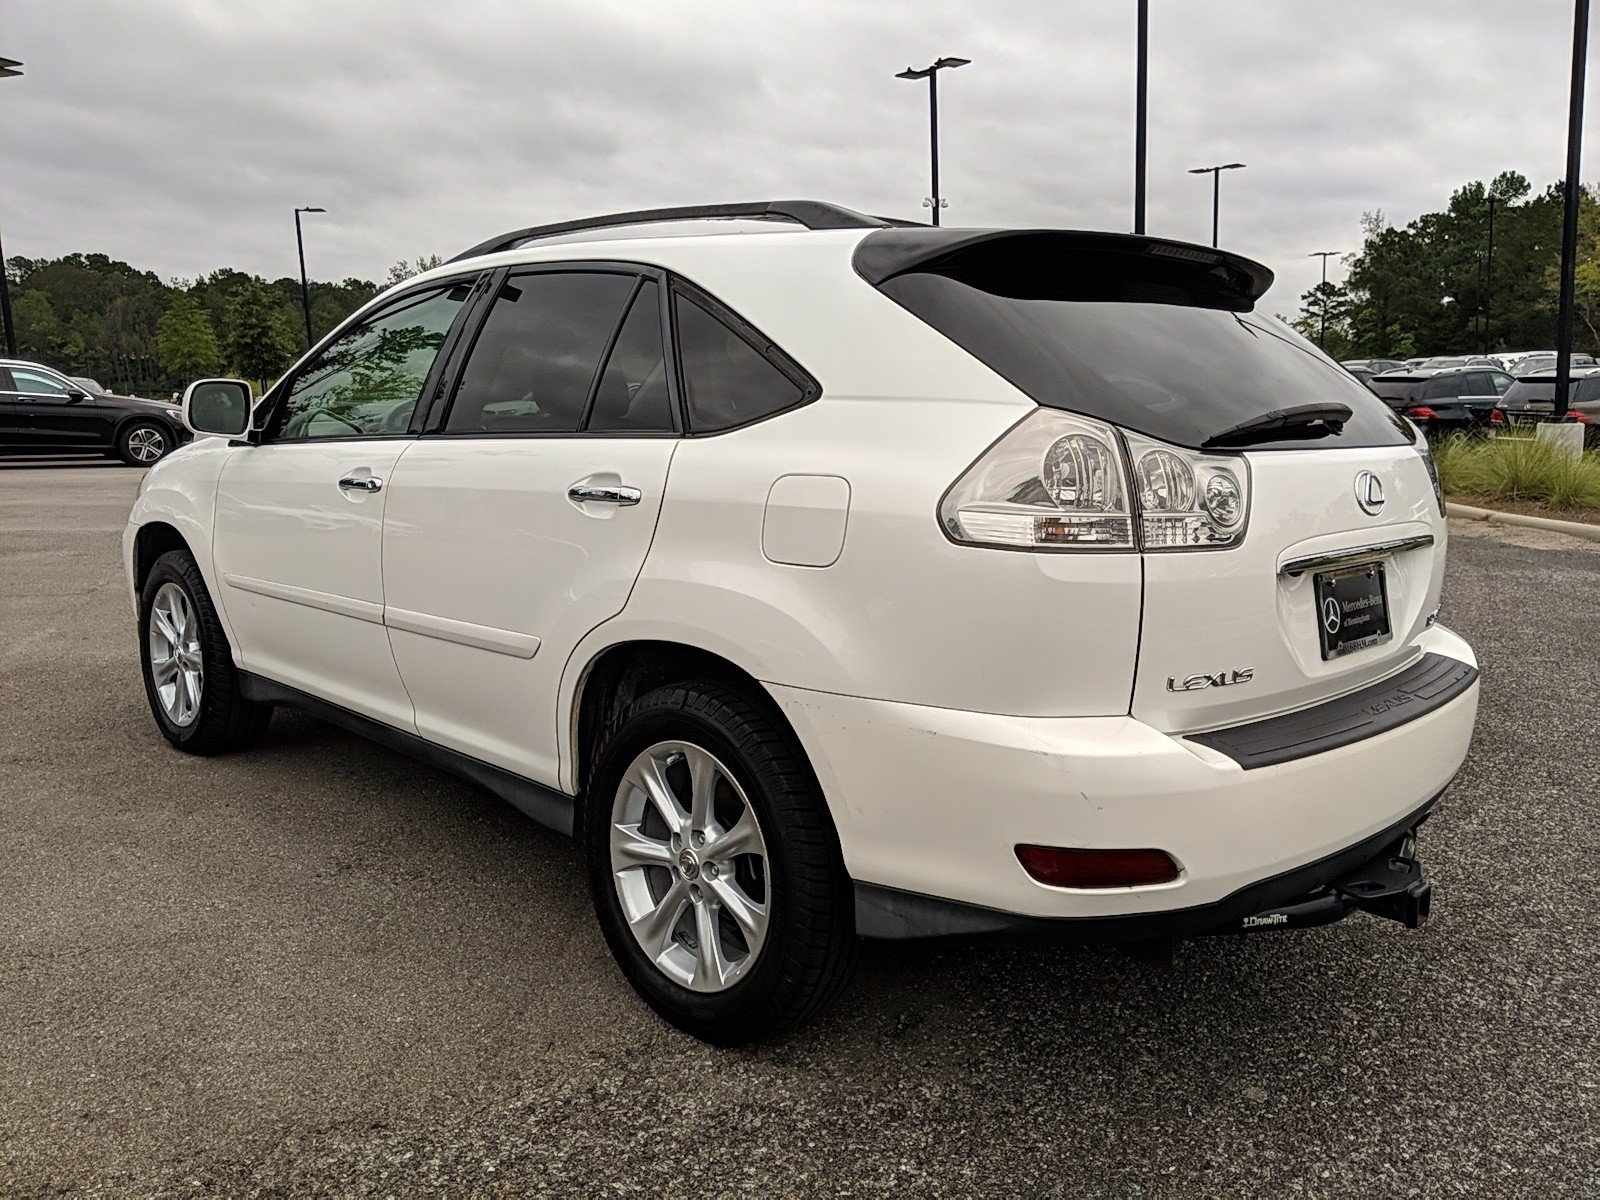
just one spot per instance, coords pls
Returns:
(932, 802)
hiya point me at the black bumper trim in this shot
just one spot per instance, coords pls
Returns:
(892, 914)
(1431, 682)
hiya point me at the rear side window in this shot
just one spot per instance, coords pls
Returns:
(535, 358)
(1442, 387)
(633, 395)
(727, 381)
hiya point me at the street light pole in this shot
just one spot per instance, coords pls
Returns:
(305, 284)
(1488, 276)
(1140, 108)
(1216, 191)
(931, 74)
(8, 70)
(1322, 332)
(1569, 223)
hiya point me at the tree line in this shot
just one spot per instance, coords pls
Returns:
(1433, 287)
(89, 314)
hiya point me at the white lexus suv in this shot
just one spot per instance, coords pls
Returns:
(832, 577)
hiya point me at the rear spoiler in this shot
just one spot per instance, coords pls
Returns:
(1057, 264)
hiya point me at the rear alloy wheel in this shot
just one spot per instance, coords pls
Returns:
(714, 865)
(143, 444)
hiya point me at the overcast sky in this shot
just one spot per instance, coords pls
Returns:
(179, 136)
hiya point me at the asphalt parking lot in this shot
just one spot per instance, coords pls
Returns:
(321, 967)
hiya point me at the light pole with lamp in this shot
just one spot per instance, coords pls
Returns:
(8, 70)
(1216, 190)
(931, 74)
(305, 285)
(1322, 332)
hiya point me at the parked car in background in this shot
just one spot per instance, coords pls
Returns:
(1373, 366)
(839, 579)
(1545, 360)
(1363, 374)
(46, 412)
(1534, 396)
(1458, 400)
(92, 386)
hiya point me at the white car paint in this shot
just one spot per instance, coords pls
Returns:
(953, 700)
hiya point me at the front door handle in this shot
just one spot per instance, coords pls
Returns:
(604, 493)
(361, 483)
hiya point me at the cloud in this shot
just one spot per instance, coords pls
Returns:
(179, 136)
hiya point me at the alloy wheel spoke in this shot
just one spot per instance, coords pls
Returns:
(631, 848)
(651, 777)
(163, 670)
(165, 626)
(742, 837)
(702, 787)
(654, 928)
(710, 966)
(749, 915)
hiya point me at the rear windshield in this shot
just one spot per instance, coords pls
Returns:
(1179, 373)
(1397, 389)
(1524, 392)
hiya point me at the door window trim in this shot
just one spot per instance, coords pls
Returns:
(434, 426)
(271, 404)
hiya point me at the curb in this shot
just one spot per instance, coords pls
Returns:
(1578, 529)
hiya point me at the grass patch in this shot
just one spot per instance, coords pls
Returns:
(1519, 469)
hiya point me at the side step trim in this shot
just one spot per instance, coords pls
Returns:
(1431, 682)
(552, 809)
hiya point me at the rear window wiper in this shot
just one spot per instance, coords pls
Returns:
(1306, 420)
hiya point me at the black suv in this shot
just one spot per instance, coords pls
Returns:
(41, 410)
(1534, 395)
(1459, 400)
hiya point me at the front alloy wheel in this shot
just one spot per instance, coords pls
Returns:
(177, 666)
(689, 864)
(144, 445)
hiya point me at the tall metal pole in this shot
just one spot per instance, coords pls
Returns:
(8, 70)
(931, 74)
(1216, 204)
(1140, 105)
(1569, 224)
(933, 137)
(1488, 277)
(305, 286)
(1322, 295)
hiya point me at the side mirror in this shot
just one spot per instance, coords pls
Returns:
(76, 395)
(219, 406)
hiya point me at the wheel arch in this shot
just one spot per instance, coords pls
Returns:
(154, 539)
(617, 673)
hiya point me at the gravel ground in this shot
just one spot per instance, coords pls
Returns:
(321, 968)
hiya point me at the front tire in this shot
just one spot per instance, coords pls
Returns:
(189, 676)
(143, 444)
(714, 866)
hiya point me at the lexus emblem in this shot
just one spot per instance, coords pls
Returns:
(1369, 493)
(1330, 615)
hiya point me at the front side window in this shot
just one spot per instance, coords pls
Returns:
(534, 360)
(1501, 381)
(726, 380)
(367, 381)
(37, 383)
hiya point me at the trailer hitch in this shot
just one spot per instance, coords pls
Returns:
(1389, 885)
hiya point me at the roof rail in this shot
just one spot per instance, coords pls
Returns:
(813, 214)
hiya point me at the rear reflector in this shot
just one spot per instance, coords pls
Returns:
(1422, 413)
(1062, 867)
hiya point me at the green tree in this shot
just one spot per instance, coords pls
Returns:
(41, 335)
(258, 340)
(403, 270)
(186, 339)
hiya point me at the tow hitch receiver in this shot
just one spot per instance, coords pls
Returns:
(1389, 885)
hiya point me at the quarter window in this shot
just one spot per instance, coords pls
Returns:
(534, 361)
(726, 380)
(633, 394)
(366, 383)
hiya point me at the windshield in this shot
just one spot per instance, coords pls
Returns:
(1178, 373)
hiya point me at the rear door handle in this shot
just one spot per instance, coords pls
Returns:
(604, 493)
(361, 483)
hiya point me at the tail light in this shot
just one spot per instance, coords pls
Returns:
(1421, 412)
(1060, 866)
(1433, 471)
(1583, 418)
(1058, 481)
(1496, 417)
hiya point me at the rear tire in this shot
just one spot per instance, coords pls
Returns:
(756, 866)
(143, 444)
(189, 676)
